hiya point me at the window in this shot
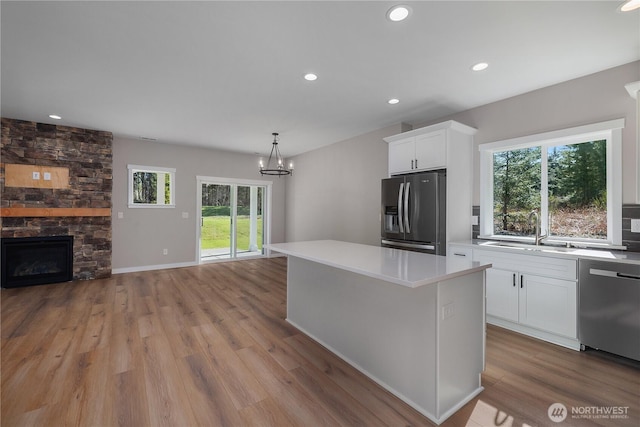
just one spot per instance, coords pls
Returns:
(151, 186)
(570, 178)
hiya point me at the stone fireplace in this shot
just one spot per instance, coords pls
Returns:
(57, 181)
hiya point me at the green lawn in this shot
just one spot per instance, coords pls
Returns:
(216, 232)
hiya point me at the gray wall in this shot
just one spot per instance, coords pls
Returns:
(591, 99)
(139, 237)
(335, 193)
(335, 190)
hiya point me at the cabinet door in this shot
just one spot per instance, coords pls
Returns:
(431, 151)
(549, 304)
(402, 156)
(502, 294)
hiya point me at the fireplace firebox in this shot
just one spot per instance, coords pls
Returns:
(30, 261)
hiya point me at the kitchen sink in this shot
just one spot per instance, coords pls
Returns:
(528, 247)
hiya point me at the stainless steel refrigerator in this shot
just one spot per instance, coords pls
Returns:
(414, 212)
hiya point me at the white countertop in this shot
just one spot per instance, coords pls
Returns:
(411, 269)
(551, 251)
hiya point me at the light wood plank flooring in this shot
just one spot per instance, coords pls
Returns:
(209, 346)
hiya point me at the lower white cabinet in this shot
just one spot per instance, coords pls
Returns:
(531, 294)
(502, 294)
(549, 304)
(460, 251)
(541, 302)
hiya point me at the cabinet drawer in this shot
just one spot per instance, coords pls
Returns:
(558, 268)
(460, 251)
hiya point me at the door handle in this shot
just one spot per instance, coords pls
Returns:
(521, 284)
(615, 274)
(627, 276)
(400, 208)
(405, 210)
(514, 279)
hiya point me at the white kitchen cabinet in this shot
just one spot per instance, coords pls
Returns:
(549, 304)
(402, 155)
(418, 153)
(531, 294)
(431, 150)
(447, 145)
(502, 294)
(460, 251)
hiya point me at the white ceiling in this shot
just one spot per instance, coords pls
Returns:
(228, 74)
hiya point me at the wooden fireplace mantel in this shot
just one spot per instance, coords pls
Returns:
(53, 212)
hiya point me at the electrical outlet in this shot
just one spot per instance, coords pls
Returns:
(165, 251)
(474, 220)
(47, 176)
(635, 225)
(185, 215)
(120, 215)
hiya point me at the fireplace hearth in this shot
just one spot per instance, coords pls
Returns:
(30, 261)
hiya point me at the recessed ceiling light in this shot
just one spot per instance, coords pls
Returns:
(630, 5)
(55, 117)
(393, 101)
(310, 77)
(398, 13)
(480, 66)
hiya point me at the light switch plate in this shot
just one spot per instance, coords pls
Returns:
(474, 220)
(36, 175)
(635, 225)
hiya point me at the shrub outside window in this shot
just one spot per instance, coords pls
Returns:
(151, 186)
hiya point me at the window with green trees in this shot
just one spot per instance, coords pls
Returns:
(151, 186)
(575, 188)
(571, 178)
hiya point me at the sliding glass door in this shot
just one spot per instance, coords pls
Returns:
(232, 219)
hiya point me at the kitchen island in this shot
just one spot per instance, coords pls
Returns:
(412, 322)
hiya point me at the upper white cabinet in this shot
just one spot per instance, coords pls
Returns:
(418, 153)
(447, 145)
(402, 155)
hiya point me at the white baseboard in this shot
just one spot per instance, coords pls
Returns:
(181, 264)
(552, 338)
(153, 267)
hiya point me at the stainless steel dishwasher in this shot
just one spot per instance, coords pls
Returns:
(609, 307)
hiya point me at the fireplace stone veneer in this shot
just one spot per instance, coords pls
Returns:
(87, 154)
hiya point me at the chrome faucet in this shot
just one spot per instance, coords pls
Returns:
(538, 236)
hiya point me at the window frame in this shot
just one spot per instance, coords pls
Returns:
(151, 169)
(611, 131)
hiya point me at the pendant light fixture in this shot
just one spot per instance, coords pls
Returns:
(277, 167)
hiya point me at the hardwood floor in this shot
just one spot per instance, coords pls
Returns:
(209, 345)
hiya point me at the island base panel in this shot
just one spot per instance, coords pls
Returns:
(395, 334)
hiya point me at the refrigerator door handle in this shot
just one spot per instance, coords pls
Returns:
(400, 191)
(405, 209)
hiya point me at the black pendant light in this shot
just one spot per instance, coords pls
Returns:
(277, 167)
